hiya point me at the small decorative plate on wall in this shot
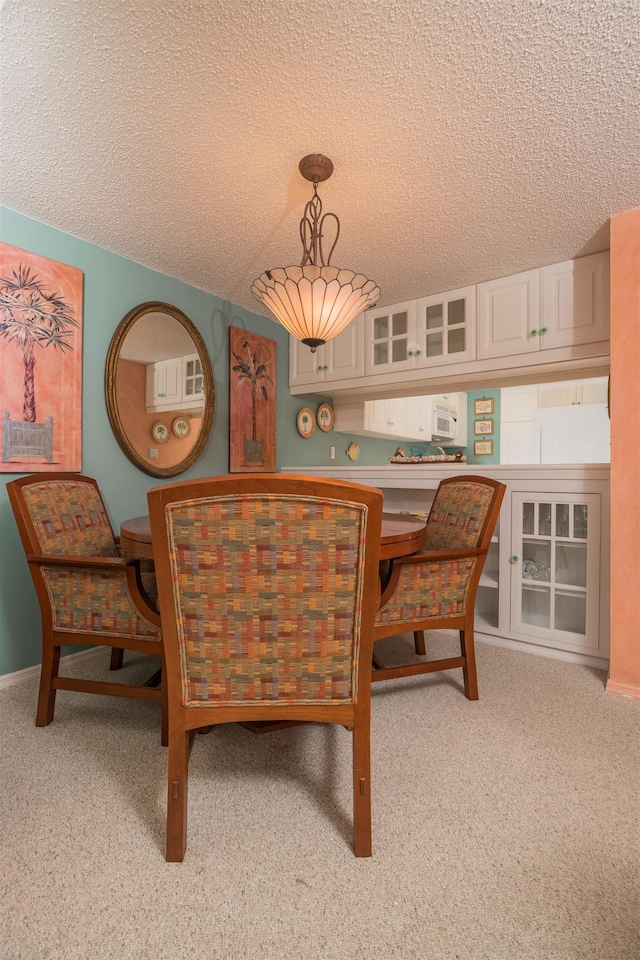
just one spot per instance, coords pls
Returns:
(160, 432)
(306, 422)
(181, 427)
(326, 417)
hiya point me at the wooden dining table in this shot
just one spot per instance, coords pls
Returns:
(402, 534)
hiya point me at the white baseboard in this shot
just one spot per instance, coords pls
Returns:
(30, 673)
(584, 659)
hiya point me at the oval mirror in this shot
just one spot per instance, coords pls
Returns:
(159, 389)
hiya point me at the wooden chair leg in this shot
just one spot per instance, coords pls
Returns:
(418, 638)
(467, 649)
(47, 695)
(116, 658)
(177, 797)
(362, 788)
(164, 715)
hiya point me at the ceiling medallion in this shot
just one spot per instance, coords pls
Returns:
(315, 301)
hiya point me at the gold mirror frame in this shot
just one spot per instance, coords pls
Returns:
(123, 328)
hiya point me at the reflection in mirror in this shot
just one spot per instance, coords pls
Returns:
(159, 388)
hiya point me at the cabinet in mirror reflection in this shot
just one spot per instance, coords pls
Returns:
(159, 389)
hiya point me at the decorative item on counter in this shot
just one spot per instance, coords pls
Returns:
(305, 422)
(160, 432)
(326, 417)
(181, 427)
(483, 448)
(353, 451)
(483, 406)
(399, 452)
(483, 426)
(458, 457)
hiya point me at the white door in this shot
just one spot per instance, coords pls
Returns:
(345, 354)
(509, 315)
(445, 327)
(575, 302)
(554, 569)
(305, 366)
(390, 338)
(517, 442)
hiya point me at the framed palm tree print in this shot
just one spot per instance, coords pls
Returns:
(252, 403)
(40, 363)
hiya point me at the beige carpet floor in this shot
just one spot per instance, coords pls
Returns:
(507, 829)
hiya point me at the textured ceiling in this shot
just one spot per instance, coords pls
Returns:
(471, 138)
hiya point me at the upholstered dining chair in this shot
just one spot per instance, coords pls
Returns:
(88, 594)
(268, 588)
(436, 588)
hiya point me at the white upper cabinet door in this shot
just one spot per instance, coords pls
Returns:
(303, 364)
(340, 359)
(562, 393)
(390, 338)
(345, 354)
(192, 378)
(518, 403)
(575, 302)
(446, 327)
(418, 418)
(509, 315)
(593, 390)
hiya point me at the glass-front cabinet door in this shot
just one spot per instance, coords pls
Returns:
(554, 563)
(390, 337)
(446, 326)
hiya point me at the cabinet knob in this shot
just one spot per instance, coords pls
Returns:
(533, 333)
(542, 330)
(513, 559)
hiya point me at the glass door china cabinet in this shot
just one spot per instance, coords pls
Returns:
(554, 568)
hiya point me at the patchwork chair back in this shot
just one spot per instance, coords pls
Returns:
(268, 586)
(436, 588)
(88, 594)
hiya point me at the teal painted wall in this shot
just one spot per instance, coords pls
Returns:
(112, 286)
(471, 417)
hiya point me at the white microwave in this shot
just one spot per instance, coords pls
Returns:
(444, 423)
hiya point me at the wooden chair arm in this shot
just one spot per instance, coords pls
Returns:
(426, 558)
(96, 563)
(436, 556)
(129, 566)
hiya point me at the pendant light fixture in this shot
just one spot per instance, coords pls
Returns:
(315, 301)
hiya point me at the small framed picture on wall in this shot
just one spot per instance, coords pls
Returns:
(482, 426)
(483, 448)
(483, 406)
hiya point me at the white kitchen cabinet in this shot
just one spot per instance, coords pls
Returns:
(517, 406)
(575, 302)
(554, 569)
(175, 384)
(570, 392)
(164, 383)
(509, 315)
(464, 338)
(401, 418)
(385, 419)
(390, 338)
(446, 327)
(488, 595)
(340, 359)
(562, 305)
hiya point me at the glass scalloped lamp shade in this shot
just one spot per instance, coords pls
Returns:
(315, 304)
